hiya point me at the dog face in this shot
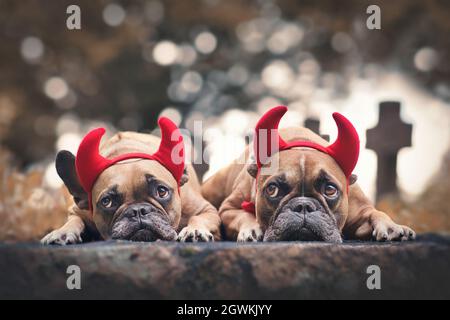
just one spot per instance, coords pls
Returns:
(136, 199)
(305, 198)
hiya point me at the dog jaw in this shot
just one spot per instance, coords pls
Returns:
(293, 222)
(292, 226)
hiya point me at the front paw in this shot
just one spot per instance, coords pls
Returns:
(387, 230)
(195, 234)
(61, 237)
(250, 234)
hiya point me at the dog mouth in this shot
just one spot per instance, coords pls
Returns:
(142, 235)
(293, 226)
(305, 234)
(150, 228)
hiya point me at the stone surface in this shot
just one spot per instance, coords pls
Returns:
(417, 269)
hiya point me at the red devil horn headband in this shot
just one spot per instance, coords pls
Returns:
(90, 164)
(345, 150)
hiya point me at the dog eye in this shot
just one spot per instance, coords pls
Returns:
(106, 202)
(272, 190)
(330, 191)
(163, 192)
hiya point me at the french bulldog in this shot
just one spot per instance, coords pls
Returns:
(134, 187)
(309, 195)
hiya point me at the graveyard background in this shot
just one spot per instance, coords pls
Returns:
(225, 63)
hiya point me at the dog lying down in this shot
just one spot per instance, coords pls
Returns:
(134, 187)
(298, 187)
(137, 187)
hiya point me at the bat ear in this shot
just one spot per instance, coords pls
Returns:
(184, 177)
(267, 139)
(252, 166)
(65, 166)
(345, 150)
(352, 179)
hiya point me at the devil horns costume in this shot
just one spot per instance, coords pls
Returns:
(267, 142)
(90, 164)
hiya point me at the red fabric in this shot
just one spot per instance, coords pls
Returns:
(345, 150)
(248, 207)
(90, 164)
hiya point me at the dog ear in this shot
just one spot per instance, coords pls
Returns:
(252, 167)
(184, 178)
(352, 179)
(65, 166)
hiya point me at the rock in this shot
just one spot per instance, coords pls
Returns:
(228, 270)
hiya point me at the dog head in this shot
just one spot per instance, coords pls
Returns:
(301, 186)
(133, 196)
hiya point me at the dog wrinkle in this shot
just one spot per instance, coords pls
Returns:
(303, 174)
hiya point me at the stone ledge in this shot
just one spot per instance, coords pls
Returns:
(227, 270)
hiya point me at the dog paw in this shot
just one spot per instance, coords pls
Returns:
(250, 234)
(61, 237)
(390, 231)
(193, 234)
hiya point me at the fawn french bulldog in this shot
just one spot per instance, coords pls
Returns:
(297, 187)
(134, 187)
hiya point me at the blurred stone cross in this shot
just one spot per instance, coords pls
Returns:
(389, 136)
(201, 163)
(314, 126)
(310, 123)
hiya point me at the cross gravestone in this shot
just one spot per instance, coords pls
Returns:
(314, 125)
(310, 123)
(200, 167)
(389, 136)
(249, 137)
(201, 163)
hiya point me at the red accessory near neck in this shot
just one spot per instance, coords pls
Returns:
(267, 141)
(90, 164)
(249, 207)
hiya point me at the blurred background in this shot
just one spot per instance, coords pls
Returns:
(224, 63)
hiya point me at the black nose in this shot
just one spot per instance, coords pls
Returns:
(140, 209)
(304, 205)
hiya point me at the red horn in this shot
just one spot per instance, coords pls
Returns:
(345, 150)
(171, 150)
(89, 163)
(267, 138)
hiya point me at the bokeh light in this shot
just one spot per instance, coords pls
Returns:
(165, 53)
(32, 49)
(51, 177)
(238, 75)
(251, 36)
(69, 101)
(278, 76)
(426, 59)
(68, 123)
(285, 37)
(342, 42)
(56, 88)
(114, 14)
(186, 55)
(69, 141)
(191, 82)
(205, 42)
(154, 11)
(173, 114)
